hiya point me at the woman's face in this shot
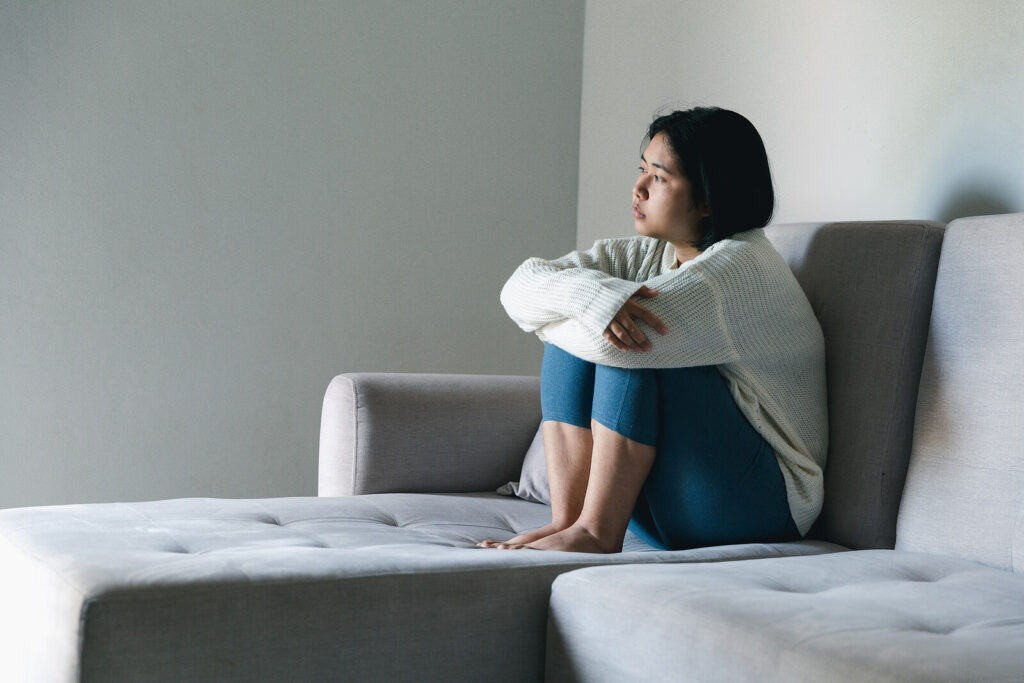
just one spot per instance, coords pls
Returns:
(663, 205)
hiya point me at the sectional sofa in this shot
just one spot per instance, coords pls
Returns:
(947, 604)
(378, 578)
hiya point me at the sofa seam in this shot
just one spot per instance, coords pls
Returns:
(169, 590)
(355, 434)
(923, 233)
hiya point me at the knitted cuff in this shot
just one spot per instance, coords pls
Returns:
(605, 299)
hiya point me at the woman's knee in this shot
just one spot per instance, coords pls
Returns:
(566, 387)
(567, 435)
(626, 401)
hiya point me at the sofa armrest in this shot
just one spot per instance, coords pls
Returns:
(397, 432)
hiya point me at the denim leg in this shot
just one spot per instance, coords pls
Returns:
(626, 402)
(566, 387)
(574, 391)
(715, 480)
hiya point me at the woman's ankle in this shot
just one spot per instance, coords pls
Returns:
(560, 524)
(608, 532)
(608, 541)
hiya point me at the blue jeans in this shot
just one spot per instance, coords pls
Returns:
(714, 480)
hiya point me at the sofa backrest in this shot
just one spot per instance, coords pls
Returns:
(870, 284)
(964, 494)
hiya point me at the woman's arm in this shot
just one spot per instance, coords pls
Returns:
(687, 303)
(587, 286)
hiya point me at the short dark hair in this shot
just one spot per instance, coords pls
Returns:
(723, 156)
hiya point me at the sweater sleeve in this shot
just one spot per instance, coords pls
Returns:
(688, 303)
(588, 287)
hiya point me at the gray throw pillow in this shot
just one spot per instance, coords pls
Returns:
(533, 480)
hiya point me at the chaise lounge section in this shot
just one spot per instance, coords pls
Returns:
(947, 604)
(379, 578)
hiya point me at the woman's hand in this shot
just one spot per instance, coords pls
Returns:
(624, 334)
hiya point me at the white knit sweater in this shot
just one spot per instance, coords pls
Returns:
(736, 306)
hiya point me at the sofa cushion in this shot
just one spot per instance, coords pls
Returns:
(965, 488)
(870, 284)
(532, 484)
(873, 615)
(375, 587)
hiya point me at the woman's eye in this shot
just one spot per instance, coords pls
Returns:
(657, 178)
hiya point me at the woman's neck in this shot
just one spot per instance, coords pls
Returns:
(684, 253)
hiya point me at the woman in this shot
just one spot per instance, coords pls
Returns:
(683, 382)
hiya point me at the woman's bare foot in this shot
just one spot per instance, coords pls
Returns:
(575, 539)
(520, 541)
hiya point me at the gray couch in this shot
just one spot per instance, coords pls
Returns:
(379, 578)
(947, 604)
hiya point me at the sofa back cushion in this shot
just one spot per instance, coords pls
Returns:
(870, 284)
(965, 487)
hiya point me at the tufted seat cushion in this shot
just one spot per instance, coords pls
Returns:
(870, 615)
(375, 587)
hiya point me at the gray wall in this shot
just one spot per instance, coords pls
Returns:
(870, 110)
(208, 209)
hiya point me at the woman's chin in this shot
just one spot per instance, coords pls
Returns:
(641, 227)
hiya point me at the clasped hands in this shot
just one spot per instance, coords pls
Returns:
(623, 332)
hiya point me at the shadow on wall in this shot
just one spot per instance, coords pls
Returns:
(975, 201)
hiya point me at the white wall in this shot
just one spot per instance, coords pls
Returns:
(208, 209)
(869, 109)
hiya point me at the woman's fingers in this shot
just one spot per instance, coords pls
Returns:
(638, 311)
(623, 331)
(614, 341)
(635, 335)
(646, 292)
(619, 337)
(613, 338)
(635, 310)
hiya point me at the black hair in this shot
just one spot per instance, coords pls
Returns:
(723, 157)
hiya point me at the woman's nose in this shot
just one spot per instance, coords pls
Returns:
(640, 189)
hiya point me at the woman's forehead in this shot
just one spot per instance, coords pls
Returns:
(659, 153)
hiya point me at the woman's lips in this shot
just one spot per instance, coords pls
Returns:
(637, 213)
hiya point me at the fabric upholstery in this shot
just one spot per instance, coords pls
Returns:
(870, 285)
(965, 489)
(375, 587)
(391, 432)
(38, 621)
(874, 615)
(532, 484)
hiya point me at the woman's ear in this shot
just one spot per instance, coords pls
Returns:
(705, 210)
